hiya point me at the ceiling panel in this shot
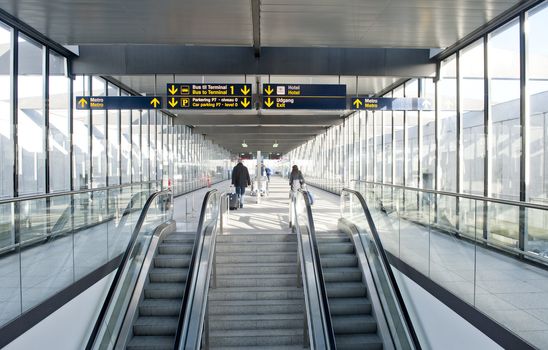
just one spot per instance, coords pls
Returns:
(307, 23)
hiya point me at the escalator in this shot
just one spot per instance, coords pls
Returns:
(147, 301)
(360, 300)
(354, 323)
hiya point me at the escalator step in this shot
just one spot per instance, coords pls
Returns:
(160, 307)
(339, 260)
(358, 342)
(352, 324)
(349, 306)
(336, 248)
(156, 326)
(342, 274)
(175, 248)
(164, 290)
(151, 342)
(346, 290)
(168, 275)
(168, 260)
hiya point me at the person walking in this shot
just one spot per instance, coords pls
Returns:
(240, 180)
(296, 179)
(268, 173)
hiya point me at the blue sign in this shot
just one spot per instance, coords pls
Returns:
(118, 102)
(304, 96)
(209, 96)
(390, 104)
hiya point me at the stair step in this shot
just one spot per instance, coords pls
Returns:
(249, 238)
(253, 257)
(256, 337)
(241, 307)
(336, 248)
(169, 260)
(151, 342)
(339, 260)
(342, 274)
(160, 307)
(333, 239)
(260, 321)
(255, 293)
(345, 290)
(257, 268)
(256, 247)
(164, 290)
(354, 324)
(175, 248)
(154, 326)
(274, 280)
(349, 306)
(168, 275)
(358, 342)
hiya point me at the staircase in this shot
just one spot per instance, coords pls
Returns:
(353, 321)
(257, 303)
(158, 314)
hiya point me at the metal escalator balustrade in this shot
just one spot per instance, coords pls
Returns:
(357, 221)
(157, 211)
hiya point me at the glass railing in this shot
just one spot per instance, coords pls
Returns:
(193, 326)
(157, 210)
(48, 242)
(319, 332)
(356, 217)
(472, 247)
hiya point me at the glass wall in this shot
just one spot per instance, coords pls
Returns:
(468, 143)
(6, 117)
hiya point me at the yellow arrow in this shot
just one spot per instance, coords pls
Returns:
(245, 90)
(172, 102)
(245, 103)
(268, 90)
(172, 89)
(357, 103)
(155, 102)
(83, 102)
(269, 102)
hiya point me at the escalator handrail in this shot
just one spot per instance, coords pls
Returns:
(125, 259)
(386, 264)
(196, 249)
(329, 332)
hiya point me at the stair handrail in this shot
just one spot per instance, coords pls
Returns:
(183, 325)
(328, 332)
(386, 266)
(124, 261)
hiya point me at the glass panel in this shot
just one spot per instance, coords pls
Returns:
(153, 144)
(6, 122)
(387, 148)
(31, 124)
(98, 139)
(113, 154)
(504, 97)
(125, 150)
(370, 147)
(428, 138)
(10, 268)
(473, 127)
(378, 146)
(447, 89)
(136, 146)
(81, 137)
(412, 138)
(59, 138)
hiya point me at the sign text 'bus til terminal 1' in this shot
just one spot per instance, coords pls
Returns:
(208, 96)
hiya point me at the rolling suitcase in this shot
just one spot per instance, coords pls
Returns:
(233, 201)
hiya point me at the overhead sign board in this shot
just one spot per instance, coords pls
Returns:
(304, 96)
(118, 102)
(209, 96)
(390, 104)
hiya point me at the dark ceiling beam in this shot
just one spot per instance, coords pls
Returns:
(217, 120)
(129, 59)
(256, 18)
(258, 130)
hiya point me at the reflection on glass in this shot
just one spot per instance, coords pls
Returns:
(447, 120)
(6, 123)
(412, 138)
(428, 138)
(81, 144)
(30, 113)
(98, 138)
(59, 140)
(113, 135)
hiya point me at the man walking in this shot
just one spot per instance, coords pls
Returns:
(240, 180)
